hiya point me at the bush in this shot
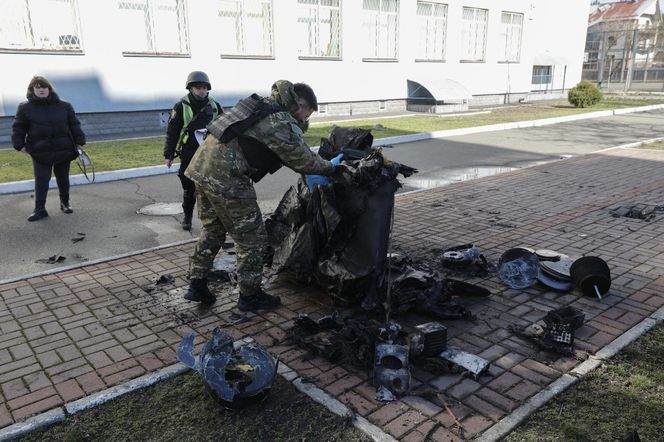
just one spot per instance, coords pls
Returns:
(584, 94)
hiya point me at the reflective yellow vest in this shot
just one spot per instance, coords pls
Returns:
(188, 115)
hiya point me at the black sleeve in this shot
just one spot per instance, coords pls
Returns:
(175, 124)
(75, 126)
(20, 127)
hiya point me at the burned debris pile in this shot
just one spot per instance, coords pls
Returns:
(336, 234)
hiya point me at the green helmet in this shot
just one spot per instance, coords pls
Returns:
(198, 77)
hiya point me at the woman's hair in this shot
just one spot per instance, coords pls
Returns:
(38, 80)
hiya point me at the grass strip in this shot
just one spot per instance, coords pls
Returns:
(117, 155)
(179, 409)
(625, 394)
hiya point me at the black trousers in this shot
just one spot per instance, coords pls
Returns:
(43, 176)
(188, 186)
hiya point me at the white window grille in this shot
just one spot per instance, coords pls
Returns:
(542, 78)
(47, 25)
(382, 106)
(431, 28)
(380, 24)
(322, 109)
(320, 28)
(473, 36)
(154, 27)
(510, 34)
(542, 75)
(246, 27)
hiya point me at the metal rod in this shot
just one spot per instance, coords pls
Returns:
(599, 295)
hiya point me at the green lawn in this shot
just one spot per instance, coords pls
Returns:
(653, 146)
(180, 410)
(114, 155)
(624, 394)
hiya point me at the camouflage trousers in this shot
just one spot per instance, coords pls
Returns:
(242, 219)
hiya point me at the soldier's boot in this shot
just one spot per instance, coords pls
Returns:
(40, 211)
(64, 203)
(198, 291)
(188, 208)
(258, 301)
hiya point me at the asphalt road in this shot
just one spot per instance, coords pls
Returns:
(106, 213)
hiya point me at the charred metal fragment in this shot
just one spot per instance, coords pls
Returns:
(518, 268)
(465, 361)
(233, 377)
(557, 334)
(429, 339)
(391, 369)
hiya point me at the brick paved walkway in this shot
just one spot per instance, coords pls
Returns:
(72, 333)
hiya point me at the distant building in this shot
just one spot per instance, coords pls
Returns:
(625, 40)
(123, 63)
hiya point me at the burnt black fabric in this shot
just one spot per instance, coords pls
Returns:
(48, 128)
(346, 139)
(337, 236)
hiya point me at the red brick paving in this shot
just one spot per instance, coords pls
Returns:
(79, 331)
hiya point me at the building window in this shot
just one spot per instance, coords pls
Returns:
(320, 28)
(431, 25)
(541, 75)
(473, 37)
(380, 25)
(511, 29)
(154, 27)
(382, 106)
(246, 28)
(322, 109)
(46, 25)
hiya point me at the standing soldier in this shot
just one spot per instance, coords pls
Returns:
(257, 136)
(194, 111)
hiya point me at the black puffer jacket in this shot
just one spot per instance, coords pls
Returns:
(48, 129)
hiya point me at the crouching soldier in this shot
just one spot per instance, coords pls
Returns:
(257, 136)
(194, 111)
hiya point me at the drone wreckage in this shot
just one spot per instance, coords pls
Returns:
(336, 235)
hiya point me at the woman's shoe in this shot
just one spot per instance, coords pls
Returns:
(66, 208)
(38, 214)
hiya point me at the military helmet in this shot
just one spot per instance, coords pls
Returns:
(198, 77)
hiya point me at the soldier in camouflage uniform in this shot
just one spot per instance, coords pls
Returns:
(254, 138)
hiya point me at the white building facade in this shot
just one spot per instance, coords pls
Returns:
(132, 57)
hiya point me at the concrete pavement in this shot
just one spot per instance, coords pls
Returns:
(106, 212)
(70, 334)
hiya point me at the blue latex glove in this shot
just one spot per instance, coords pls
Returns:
(320, 180)
(315, 180)
(336, 160)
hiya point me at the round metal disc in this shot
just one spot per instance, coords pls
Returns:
(555, 284)
(518, 268)
(558, 269)
(548, 255)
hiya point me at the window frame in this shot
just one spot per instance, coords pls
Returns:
(445, 22)
(507, 30)
(243, 55)
(318, 21)
(381, 15)
(156, 53)
(542, 86)
(76, 32)
(486, 34)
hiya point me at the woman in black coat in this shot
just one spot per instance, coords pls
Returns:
(47, 128)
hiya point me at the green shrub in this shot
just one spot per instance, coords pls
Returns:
(584, 94)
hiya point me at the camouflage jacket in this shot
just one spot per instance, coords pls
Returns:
(221, 168)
